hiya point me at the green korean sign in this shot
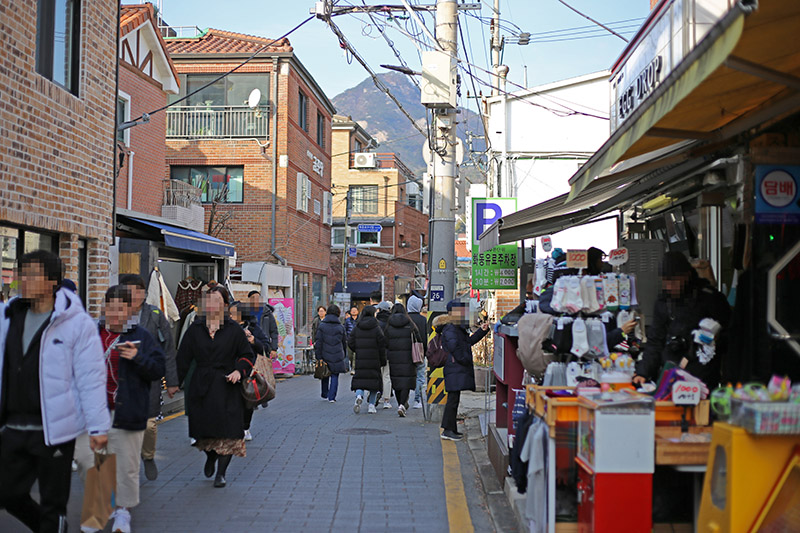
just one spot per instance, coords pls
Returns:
(495, 269)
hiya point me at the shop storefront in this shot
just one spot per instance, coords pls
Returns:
(16, 241)
(703, 159)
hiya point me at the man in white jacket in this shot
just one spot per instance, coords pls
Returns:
(52, 389)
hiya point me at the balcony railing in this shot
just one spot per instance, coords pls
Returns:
(181, 194)
(181, 32)
(220, 122)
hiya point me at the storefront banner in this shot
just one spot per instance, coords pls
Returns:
(495, 269)
(777, 199)
(284, 318)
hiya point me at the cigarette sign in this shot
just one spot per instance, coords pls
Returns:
(777, 194)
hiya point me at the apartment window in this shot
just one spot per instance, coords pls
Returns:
(364, 199)
(327, 208)
(232, 90)
(123, 115)
(58, 41)
(302, 106)
(303, 192)
(219, 184)
(366, 239)
(320, 129)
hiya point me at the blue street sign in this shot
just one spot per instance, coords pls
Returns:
(369, 228)
(437, 293)
(352, 251)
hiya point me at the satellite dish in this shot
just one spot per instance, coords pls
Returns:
(254, 98)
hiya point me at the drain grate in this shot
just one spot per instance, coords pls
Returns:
(362, 431)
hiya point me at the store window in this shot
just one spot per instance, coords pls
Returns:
(301, 299)
(58, 25)
(14, 243)
(219, 184)
(364, 199)
(319, 292)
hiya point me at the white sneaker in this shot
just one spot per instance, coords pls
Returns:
(417, 405)
(387, 405)
(371, 409)
(247, 435)
(192, 441)
(357, 406)
(87, 529)
(401, 411)
(122, 521)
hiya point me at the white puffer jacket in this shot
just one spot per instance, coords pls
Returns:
(72, 372)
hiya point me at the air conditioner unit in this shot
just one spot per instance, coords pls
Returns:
(365, 160)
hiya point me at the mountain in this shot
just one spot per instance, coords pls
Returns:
(380, 117)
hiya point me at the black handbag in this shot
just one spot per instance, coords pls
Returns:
(256, 389)
(321, 370)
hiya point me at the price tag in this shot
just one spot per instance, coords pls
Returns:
(685, 393)
(547, 243)
(618, 257)
(577, 258)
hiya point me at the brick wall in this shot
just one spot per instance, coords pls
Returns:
(146, 141)
(376, 267)
(56, 151)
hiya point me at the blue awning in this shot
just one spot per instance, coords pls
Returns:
(186, 239)
(359, 289)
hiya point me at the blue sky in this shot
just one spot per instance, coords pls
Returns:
(551, 56)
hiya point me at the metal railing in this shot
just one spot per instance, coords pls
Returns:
(223, 121)
(180, 32)
(181, 194)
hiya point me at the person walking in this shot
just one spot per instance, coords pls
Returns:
(264, 317)
(157, 325)
(384, 310)
(401, 333)
(133, 361)
(42, 413)
(258, 342)
(350, 323)
(415, 313)
(331, 343)
(459, 373)
(369, 344)
(223, 356)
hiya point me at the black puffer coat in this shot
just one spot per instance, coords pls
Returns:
(459, 372)
(369, 344)
(331, 344)
(398, 351)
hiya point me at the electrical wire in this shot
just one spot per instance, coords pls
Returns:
(587, 17)
(231, 71)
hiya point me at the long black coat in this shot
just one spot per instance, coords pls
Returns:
(215, 406)
(398, 351)
(459, 372)
(369, 344)
(331, 344)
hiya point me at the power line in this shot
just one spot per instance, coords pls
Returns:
(587, 17)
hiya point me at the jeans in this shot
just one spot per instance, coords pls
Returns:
(334, 386)
(24, 459)
(372, 398)
(451, 410)
(420, 382)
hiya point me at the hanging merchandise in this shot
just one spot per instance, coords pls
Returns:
(188, 293)
(580, 340)
(572, 297)
(589, 295)
(540, 277)
(596, 334)
(704, 338)
(559, 291)
(601, 295)
(555, 375)
(624, 291)
(611, 291)
(634, 300)
(159, 297)
(533, 330)
(562, 337)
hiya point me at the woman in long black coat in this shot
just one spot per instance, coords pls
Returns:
(331, 346)
(369, 344)
(223, 356)
(400, 334)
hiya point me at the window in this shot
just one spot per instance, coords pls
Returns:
(58, 42)
(320, 129)
(327, 208)
(358, 147)
(303, 192)
(220, 184)
(232, 90)
(302, 106)
(302, 295)
(317, 207)
(123, 115)
(366, 239)
(364, 199)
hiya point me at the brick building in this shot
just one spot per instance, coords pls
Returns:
(383, 192)
(57, 137)
(269, 162)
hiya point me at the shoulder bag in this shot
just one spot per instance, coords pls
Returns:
(417, 350)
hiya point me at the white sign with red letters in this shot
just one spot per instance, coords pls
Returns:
(686, 393)
(618, 256)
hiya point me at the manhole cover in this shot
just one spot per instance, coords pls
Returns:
(362, 431)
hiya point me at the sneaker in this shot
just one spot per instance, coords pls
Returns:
(352, 372)
(417, 405)
(449, 435)
(331, 401)
(192, 441)
(401, 411)
(122, 521)
(150, 469)
(89, 529)
(357, 406)
(74, 466)
(387, 405)
(247, 435)
(371, 409)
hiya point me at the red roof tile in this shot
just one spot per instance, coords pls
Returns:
(215, 41)
(462, 250)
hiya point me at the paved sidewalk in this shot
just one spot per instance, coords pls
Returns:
(312, 466)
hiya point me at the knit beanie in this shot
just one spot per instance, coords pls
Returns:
(455, 303)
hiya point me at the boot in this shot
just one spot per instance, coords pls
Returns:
(211, 460)
(222, 467)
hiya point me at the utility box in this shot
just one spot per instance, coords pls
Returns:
(439, 79)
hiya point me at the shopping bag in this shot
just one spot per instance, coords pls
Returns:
(264, 367)
(417, 350)
(99, 491)
(321, 371)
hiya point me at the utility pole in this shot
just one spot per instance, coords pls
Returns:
(497, 47)
(346, 250)
(442, 257)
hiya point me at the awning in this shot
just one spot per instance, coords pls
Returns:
(359, 289)
(745, 72)
(186, 239)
